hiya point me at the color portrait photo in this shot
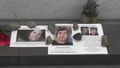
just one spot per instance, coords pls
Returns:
(86, 30)
(63, 35)
(30, 35)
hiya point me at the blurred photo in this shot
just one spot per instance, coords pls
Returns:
(30, 35)
(63, 35)
(84, 31)
(93, 31)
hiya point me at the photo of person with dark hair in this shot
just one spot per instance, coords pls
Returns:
(30, 35)
(84, 31)
(62, 36)
(93, 31)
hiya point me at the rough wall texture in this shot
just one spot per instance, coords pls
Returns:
(55, 9)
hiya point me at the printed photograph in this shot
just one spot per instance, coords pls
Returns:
(63, 35)
(93, 31)
(84, 30)
(30, 35)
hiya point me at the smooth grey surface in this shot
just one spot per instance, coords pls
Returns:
(113, 33)
(68, 66)
(35, 51)
(7, 51)
(55, 9)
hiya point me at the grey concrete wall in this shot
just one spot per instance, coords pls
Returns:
(55, 9)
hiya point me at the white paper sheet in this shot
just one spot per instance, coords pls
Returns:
(89, 44)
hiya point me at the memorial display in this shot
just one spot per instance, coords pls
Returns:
(64, 39)
(49, 42)
(60, 39)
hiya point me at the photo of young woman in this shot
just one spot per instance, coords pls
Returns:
(31, 35)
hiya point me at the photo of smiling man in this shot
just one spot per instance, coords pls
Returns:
(63, 36)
